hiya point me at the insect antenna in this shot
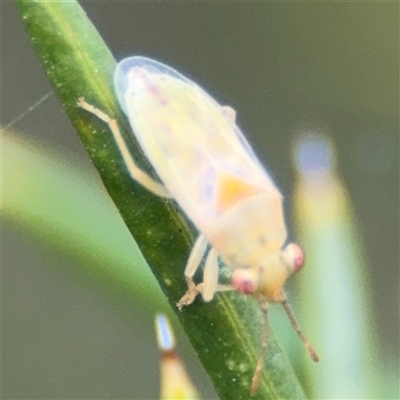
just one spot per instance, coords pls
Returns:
(296, 327)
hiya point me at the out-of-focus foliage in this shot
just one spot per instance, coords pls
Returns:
(175, 382)
(334, 292)
(37, 184)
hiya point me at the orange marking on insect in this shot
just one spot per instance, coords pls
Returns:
(232, 190)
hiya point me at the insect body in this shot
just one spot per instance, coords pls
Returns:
(207, 166)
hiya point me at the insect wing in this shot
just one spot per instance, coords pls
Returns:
(197, 150)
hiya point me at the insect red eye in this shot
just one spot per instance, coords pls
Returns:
(293, 256)
(243, 281)
(298, 257)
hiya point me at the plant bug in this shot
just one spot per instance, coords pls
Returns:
(208, 167)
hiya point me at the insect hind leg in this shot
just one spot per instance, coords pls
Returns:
(135, 172)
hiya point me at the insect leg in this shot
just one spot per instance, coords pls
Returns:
(192, 264)
(210, 276)
(224, 288)
(135, 172)
(296, 327)
(195, 257)
(255, 382)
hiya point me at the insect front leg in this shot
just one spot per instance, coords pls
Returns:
(255, 382)
(210, 281)
(192, 264)
(135, 172)
(210, 276)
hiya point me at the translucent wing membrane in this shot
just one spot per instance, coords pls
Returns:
(197, 150)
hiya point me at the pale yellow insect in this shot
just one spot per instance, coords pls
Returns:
(207, 166)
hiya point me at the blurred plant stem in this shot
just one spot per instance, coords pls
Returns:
(337, 310)
(59, 203)
(175, 381)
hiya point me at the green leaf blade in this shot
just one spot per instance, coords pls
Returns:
(226, 333)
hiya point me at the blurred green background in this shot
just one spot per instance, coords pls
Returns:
(283, 67)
